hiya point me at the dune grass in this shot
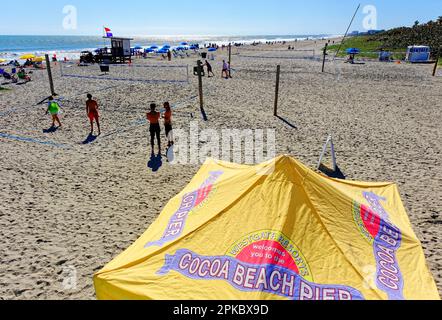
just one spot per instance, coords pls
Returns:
(367, 46)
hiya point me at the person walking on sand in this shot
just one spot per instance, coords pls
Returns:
(225, 70)
(54, 110)
(92, 113)
(209, 69)
(168, 124)
(155, 130)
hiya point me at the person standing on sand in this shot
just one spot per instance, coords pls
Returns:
(168, 124)
(92, 113)
(209, 69)
(155, 130)
(225, 70)
(54, 110)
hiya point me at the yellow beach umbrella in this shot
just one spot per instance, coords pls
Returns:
(39, 59)
(2, 60)
(27, 56)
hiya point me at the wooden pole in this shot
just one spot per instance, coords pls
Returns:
(51, 82)
(435, 65)
(278, 72)
(230, 60)
(325, 54)
(200, 86)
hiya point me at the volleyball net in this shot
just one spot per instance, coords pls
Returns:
(177, 74)
(297, 54)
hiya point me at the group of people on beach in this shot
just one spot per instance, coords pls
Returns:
(155, 128)
(225, 73)
(54, 109)
(92, 111)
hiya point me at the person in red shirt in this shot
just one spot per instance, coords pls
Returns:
(92, 113)
(168, 123)
(155, 130)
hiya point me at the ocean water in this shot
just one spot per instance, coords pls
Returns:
(70, 46)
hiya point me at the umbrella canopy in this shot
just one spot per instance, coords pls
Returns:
(2, 60)
(353, 51)
(27, 56)
(153, 47)
(212, 49)
(180, 48)
(166, 46)
(39, 59)
(184, 43)
(138, 47)
(274, 231)
(149, 50)
(193, 47)
(163, 51)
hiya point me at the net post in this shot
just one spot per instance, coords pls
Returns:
(48, 68)
(200, 87)
(436, 64)
(230, 60)
(278, 71)
(323, 59)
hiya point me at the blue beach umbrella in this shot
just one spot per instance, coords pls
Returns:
(193, 47)
(149, 50)
(153, 47)
(166, 46)
(353, 51)
(212, 49)
(163, 51)
(184, 43)
(138, 47)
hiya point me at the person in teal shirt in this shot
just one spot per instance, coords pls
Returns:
(54, 110)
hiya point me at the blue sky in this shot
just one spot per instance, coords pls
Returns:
(218, 17)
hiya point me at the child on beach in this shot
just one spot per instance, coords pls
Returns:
(92, 113)
(209, 69)
(155, 130)
(168, 124)
(54, 110)
(225, 70)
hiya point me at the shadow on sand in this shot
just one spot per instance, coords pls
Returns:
(287, 123)
(338, 174)
(52, 129)
(155, 162)
(90, 138)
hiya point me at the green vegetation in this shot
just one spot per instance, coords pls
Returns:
(397, 40)
(368, 47)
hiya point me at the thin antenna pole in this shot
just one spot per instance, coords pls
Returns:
(348, 29)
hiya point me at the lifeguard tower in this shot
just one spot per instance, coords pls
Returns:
(119, 53)
(418, 54)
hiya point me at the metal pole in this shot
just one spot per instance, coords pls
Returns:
(325, 54)
(348, 29)
(278, 71)
(51, 82)
(200, 86)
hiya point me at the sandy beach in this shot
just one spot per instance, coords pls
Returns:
(69, 206)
